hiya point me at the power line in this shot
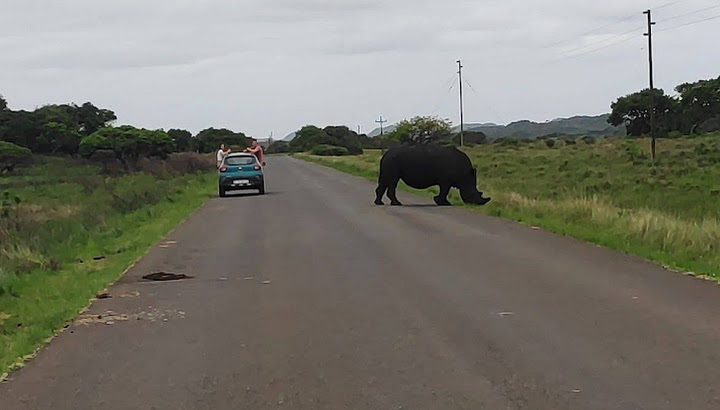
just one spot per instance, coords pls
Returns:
(570, 52)
(672, 3)
(622, 20)
(452, 85)
(471, 87)
(690, 23)
(690, 13)
(611, 24)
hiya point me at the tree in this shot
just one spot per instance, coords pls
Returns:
(57, 138)
(128, 143)
(342, 136)
(90, 118)
(13, 155)
(633, 111)
(421, 130)
(310, 136)
(3, 103)
(210, 139)
(278, 147)
(21, 128)
(471, 138)
(183, 140)
(699, 103)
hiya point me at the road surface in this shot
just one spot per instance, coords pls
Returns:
(312, 298)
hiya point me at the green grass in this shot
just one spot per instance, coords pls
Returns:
(69, 214)
(607, 193)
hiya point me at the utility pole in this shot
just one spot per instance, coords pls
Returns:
(381, 122)
(652, 86)
(358, 130)
(462, 122)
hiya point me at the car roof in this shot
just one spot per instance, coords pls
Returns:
(240, 154)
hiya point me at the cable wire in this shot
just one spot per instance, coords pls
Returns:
(690, 13)
(688, 24)
(573, 52)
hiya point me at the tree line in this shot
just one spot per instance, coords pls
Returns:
(340, 140)
(694, 110)
(88, 131)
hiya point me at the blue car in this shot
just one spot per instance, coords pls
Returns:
(239, 172)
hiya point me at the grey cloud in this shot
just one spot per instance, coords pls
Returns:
(251, 64)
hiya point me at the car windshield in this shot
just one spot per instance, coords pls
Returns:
(243, 160)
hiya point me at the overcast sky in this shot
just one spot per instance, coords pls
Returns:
(262, 66)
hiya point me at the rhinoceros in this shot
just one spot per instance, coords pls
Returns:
(423, 166)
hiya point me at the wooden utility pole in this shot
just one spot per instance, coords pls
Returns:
(381, 122)
(652, 86)
(462, 120)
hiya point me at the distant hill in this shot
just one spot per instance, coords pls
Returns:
(472, 126)
(376, 131)
(579, 125)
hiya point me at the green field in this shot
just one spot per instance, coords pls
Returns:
(606, 191)
(58, 217)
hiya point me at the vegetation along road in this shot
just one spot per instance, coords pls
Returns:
(311, 297)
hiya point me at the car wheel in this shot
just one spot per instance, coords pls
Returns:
(262, 189)
(221, 192)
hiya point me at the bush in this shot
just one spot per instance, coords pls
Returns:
(131, 193)
(471, 138)
(12, 155)
(209, 140)
(310, 136)
(329, 150)
(278, 147)
(589, 140)
(128, 143)
(550, 143)
(190, 162)
(507, 142)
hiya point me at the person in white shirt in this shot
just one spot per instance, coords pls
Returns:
(221, 154)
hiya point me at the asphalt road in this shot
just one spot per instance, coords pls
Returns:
(312, 298)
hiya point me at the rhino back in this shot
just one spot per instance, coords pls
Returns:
(426, 165)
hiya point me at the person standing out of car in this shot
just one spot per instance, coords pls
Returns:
(256, 150)
(221, 154)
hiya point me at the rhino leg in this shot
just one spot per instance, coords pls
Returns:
(379, 192)
(441, 199)
(392, 189)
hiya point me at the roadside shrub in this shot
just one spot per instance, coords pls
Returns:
(329, 150)
(550, 143)
(108, 160)
(190, 162)
(507, 142)
(134, 192)
(278, 147)
(589, 140)
(128, 143)
(156, 168)
(12, 155)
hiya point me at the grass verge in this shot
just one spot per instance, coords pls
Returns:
(55, 232)
(603, 192)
